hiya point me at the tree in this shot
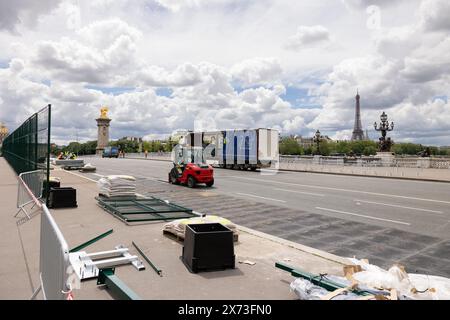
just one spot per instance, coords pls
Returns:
(407, 148)
(290, 146)
(325, 148)
(369, 150)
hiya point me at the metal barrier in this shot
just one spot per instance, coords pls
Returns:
(29, 190)
(55, 270)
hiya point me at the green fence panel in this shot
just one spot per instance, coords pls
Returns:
(28, 147)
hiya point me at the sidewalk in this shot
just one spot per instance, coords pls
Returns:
(15, 282)
(260, 281)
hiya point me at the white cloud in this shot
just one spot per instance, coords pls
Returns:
(223, 64)
(257, 71)
(308, 36)
(13, 13)
(435, 15)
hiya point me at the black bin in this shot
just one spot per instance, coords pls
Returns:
(53, 183)
(208, 246)
(63, 198)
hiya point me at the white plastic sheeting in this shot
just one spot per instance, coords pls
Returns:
(408, 285)
(117, 186)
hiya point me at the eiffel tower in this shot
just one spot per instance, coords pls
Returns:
(358, 133)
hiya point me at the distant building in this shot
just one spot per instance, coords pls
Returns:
(309, 142)
(3, 132)
(179, 135)
(132, 139)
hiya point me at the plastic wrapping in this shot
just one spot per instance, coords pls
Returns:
(117, 186)
(306, 290)
(408, 286)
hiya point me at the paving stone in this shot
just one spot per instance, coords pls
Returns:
(426, 264)
(441, 250)
(332, 239)
(409, 236)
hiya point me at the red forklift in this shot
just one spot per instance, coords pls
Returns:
(190, 168)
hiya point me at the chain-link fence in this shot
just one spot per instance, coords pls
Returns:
(28, 147)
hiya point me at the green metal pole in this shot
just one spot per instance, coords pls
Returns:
(317, 280)
(157, 270)
(48, 153)
(118, 288)
(93, 240)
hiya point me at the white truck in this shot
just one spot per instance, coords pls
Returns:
(237, 149)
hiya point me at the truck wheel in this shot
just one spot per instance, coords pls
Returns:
(253, 168)
(191, 182)
(209, 184)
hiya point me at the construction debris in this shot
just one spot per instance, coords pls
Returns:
(406, 285)
(157, 270)
(117, 186)
(248, 262)
(88, 168)
(88, 265)
(364, 281)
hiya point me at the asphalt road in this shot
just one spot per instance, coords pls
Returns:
(385, 220)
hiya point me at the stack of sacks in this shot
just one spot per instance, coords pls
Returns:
(178, 227)
(117, 186)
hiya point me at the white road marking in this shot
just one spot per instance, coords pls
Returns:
(363, 216)
(398, 206)
(308, 193)
(255, 196)
(345, 190)
(98, 175)
(81, 176)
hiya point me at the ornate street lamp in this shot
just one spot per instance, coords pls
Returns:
(317, 139)
(384, 127)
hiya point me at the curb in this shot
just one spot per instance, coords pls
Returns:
(301, 247)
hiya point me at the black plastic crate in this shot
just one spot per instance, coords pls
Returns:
(53, 183)
(208, 246)
(63, 198)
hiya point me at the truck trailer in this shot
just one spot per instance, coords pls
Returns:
(237, 149)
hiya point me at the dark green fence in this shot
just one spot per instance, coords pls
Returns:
(28, 147)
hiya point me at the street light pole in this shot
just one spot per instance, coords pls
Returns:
(384, 127)
(317, 139)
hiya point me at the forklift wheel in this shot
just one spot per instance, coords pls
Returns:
(172, 179)
(191, 182)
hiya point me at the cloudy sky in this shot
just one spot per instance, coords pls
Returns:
(162, 65)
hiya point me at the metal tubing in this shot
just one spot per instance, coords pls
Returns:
(157, 270)
(114, 262)
(118, 288)
(93, 240)
(107, 254)
(316, 279)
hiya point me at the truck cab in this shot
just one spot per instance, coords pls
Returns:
(110, 152)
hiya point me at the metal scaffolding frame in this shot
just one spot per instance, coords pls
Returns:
(144, 209)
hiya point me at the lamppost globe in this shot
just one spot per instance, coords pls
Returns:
(317, 134)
